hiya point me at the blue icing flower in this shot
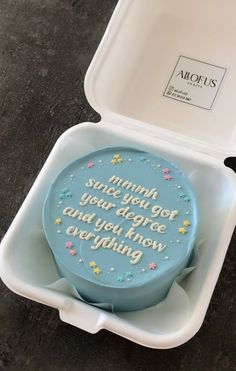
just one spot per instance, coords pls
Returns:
(120, 279)
(129, 274)
(65, 193)
(186, 199)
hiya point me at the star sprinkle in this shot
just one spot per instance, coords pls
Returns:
(92, 264)
(152, 266)
(97, 270)
(58, 221)
(73, 252)
(120, 279)
(167, 177)
(117, 159)
(182, 230)
(69, 244)
(166, 170)
(186, 223)
(90, 165)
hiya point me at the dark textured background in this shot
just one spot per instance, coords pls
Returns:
(45, 49)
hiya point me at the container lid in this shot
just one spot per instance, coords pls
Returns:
(173, 65)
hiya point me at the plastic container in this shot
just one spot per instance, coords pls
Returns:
(126, 84)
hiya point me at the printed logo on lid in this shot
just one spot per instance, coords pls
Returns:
(195, 82)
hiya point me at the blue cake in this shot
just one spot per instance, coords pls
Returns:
(121, 224)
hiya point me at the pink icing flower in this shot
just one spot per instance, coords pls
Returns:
(69, 244)
(73, 252)
(152, 266)
(166, 170)
(90, 165)
(168, 177)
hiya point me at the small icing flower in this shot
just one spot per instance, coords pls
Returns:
(90, 165)
(142, 158)
(186, 199)
(65, 193)
(92, 264)
(117, 159)
(129, 274)
(58, 221)
(182, 194)
(166, 171)
(152, 266)
(167, 177)
(182, 230)
(73, 252)
(69, 244)
(120, 278)
(97, 270)
(186, 223)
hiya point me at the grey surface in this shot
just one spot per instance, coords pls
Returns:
(46, 47)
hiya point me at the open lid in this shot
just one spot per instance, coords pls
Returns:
(171, 64)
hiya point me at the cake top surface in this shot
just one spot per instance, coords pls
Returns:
(121, 217)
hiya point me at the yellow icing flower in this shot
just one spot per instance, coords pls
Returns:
(182, 230)
(97, 270)
(92, 264)
(186, 223)
(117, 159)
(58, 221)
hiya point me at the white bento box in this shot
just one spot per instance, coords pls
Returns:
(126, 83)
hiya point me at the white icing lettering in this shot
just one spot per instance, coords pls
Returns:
(145, 242)
(140, 220)
(108, 243)
(156, 210)
(173, 214)
(104, 188)
(136, 256)
(143, 204)
(107, 226)
(86, 218)
(164, 213)
(153, 193)
(158, 246)
(84, 235)
(130, 233)
(93, 200)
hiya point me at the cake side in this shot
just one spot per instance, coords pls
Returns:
(121, 224)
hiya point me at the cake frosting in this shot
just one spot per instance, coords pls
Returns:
(121, 224)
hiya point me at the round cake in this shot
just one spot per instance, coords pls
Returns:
(121, 224)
